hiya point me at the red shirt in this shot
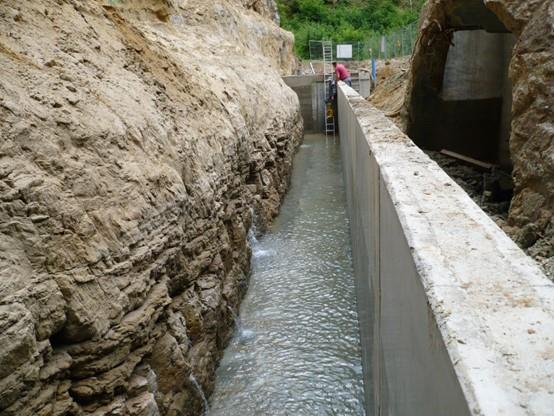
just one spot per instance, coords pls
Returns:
(341, 72)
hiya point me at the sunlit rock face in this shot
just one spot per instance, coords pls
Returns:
(136, 140)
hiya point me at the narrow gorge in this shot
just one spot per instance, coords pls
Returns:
(137, 139)
(151, 264)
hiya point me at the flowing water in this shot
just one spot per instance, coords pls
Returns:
(297, 348)
(200, 392)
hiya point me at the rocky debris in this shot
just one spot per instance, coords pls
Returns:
(137, 139)
(490, 189)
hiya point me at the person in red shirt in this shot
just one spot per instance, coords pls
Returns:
(342, 74)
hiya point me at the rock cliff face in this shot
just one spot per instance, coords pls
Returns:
(136, 138)
(531, 69)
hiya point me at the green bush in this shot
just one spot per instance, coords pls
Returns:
(343, 20)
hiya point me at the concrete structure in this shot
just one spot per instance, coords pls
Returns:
(461, 95)
(311, 95)
(455, 319)
(476, 96)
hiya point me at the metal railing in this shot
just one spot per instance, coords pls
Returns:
(395, 44)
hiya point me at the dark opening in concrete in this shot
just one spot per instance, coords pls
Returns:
(462, 96)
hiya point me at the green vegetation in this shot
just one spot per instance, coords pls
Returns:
(343, 20)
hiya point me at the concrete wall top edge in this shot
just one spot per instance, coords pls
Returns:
(301, 80)
(492, 303)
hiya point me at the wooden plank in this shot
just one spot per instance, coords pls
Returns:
(467, 159)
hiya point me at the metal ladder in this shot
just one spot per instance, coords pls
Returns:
(327, 47)
(356, 81)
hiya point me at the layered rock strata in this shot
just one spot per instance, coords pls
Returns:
(137, 139)
(531, 69)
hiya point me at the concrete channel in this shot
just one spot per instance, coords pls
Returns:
(296, 347)
(311, 94)
(455, 319)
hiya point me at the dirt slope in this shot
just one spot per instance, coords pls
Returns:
(390, 90)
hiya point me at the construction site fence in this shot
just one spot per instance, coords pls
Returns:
(392, 45)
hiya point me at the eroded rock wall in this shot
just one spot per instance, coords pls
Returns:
(136, 138)
(531, 72)
(532, 135)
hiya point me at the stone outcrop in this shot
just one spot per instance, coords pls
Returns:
(531, 140)
(267, 8)
(137, 138)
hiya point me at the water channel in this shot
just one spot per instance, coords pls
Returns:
(296, 350)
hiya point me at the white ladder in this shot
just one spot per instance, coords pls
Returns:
(327, 47)
(356, 81)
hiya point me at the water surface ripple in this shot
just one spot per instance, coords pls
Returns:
(297, 348)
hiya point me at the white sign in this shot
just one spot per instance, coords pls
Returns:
(344, 51)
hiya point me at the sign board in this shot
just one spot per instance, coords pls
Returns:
(344, 51)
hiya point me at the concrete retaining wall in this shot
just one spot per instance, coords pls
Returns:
(455, 319)
(476, 97)
(311, 94)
